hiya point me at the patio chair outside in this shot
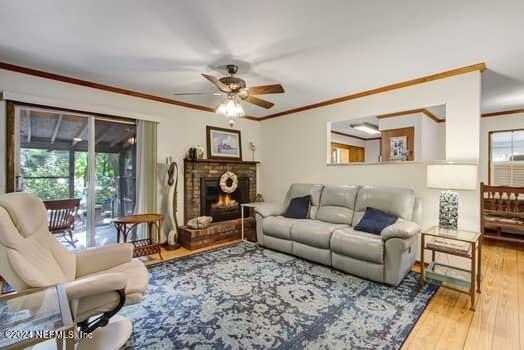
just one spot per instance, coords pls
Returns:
(61, 216)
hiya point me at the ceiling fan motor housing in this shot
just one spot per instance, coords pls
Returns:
(234, 83)
(232, 69)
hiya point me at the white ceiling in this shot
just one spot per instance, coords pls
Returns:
(318, 50)
(344, 126)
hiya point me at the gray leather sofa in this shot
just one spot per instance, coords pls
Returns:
(327, 235)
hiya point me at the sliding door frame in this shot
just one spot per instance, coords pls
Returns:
(12, 177)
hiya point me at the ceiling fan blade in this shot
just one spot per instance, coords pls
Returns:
(220, 85)
(199, 93)
(266, 89)
(259, 102)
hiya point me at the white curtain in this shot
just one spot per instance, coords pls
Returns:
(146, 171)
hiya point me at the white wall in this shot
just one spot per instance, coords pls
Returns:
(179, 128)
(372, 151)
(433, 140)
(295, 146)
(498, 123)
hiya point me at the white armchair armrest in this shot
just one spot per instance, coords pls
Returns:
(92, 286)
(96, 284)
(98, 259)
(401, 229)
(269, 209)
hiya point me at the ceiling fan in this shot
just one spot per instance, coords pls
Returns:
(235, 88)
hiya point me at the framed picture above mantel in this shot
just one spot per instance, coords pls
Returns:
(223, 143)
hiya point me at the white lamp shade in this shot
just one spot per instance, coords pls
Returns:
(452, 176)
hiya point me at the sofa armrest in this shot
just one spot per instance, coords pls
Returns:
(401, 229)
(269, 209)
(98, 259)
(94, 285)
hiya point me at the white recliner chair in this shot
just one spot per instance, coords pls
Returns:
(98, 281)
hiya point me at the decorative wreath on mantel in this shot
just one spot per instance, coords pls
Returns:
(228, 182)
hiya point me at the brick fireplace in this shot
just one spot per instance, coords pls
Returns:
(203, 196)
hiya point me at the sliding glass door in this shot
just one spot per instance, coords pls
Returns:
(115, 173)
(76, 161)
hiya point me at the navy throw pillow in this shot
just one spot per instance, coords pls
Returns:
(375, 220)
(298, 208)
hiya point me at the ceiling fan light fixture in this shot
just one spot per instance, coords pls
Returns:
(368, 128)
(231, 109)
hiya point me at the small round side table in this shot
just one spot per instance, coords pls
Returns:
(146, 246)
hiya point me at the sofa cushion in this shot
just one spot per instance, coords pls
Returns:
(298, 208)
(392, 200)
(337, 204)
(298, 190)
(314, 232)
(375, 220)
(358, 245)
(279, 226)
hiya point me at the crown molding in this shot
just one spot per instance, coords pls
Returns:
(354, 136)
(433, 116)
(447, 74)
(103, 87)
(412, 111)
(502, 113)
(70, 80)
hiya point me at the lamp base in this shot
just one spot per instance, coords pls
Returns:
(448, 212)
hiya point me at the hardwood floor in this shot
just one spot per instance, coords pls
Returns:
(498, 323)
(181, 252)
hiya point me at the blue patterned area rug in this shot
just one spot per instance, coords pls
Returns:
(247, 297)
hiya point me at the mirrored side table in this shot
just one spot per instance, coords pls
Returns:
(36, 316)
(465, 244)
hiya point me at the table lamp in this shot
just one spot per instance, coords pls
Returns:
(449, 177)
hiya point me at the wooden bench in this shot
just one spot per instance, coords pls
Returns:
(502, 210)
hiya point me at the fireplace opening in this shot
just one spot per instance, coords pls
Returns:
(225, 201)
(220, 205)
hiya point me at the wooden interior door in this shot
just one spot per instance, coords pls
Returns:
(356, 154)
(385, 144)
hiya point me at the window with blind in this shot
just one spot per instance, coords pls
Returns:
(507, 158)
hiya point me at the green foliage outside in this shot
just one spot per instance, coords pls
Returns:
(54, 163)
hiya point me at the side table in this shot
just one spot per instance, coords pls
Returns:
(242, 206)
(453, 277)
(36, 316)
(146, 246)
